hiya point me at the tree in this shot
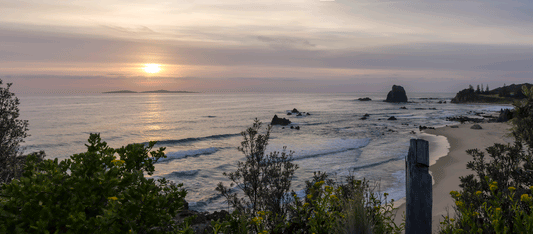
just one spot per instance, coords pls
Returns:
(487, 89)
(478, 91)
(12, 133)
(265, 179)
(523, 118)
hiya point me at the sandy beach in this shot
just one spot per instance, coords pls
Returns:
(447, 170)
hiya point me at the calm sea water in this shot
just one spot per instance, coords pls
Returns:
(201, 132)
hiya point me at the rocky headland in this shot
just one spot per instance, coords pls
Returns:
(503, 95)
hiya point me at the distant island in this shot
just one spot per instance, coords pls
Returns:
(154, 91)
(502, 95)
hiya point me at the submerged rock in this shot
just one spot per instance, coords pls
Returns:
(420, 128)
(392, 118)
(397, 94)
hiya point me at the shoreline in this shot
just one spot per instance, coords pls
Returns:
(446, 169)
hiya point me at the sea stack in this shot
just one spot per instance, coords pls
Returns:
(397, 94)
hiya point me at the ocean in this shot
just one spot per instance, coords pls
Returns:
(201, 132)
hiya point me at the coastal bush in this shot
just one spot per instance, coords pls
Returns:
(265, 179)
(100, 191)
(497, 198)
(12, 133)
(351, 206)
(327, 207)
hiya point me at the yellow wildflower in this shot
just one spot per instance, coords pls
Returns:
(306, 204)
(118, 162)
(333, 197)
(478, 193)
(309, 196)
(524, 197)
(112, 198)
(531, 187)
(452, 220)
(512, 188)
(493, 187)
(459, 203)
(498, 209)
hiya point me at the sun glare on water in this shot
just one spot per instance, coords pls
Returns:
(152, 68)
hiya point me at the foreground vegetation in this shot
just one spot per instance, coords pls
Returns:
(497, 198)
(104, 190)
(264, 205)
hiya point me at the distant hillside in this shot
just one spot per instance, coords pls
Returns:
(155, 91)
(121, 91)
(166, 91)
(505, 94)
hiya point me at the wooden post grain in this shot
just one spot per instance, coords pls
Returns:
(419, 190)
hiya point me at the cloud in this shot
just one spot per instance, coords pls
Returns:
(292, 52)
(286, 41)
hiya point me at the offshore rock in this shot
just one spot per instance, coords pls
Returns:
(397, 94)
(364, 99)
(392, 118)
(279, 121)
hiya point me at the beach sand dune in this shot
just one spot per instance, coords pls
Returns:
(447, 170)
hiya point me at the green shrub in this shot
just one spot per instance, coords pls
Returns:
(349, 207)
(92, 192)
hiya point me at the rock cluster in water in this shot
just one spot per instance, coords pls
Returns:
(279, 121)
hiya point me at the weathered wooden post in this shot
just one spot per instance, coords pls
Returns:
(419, 190)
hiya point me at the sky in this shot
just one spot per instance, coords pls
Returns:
(264, 45)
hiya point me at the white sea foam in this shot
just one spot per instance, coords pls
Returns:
(397, 192)
(329, 147)
(189, 153)
(496, 108)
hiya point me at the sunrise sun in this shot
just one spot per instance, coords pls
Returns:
(152, 68)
